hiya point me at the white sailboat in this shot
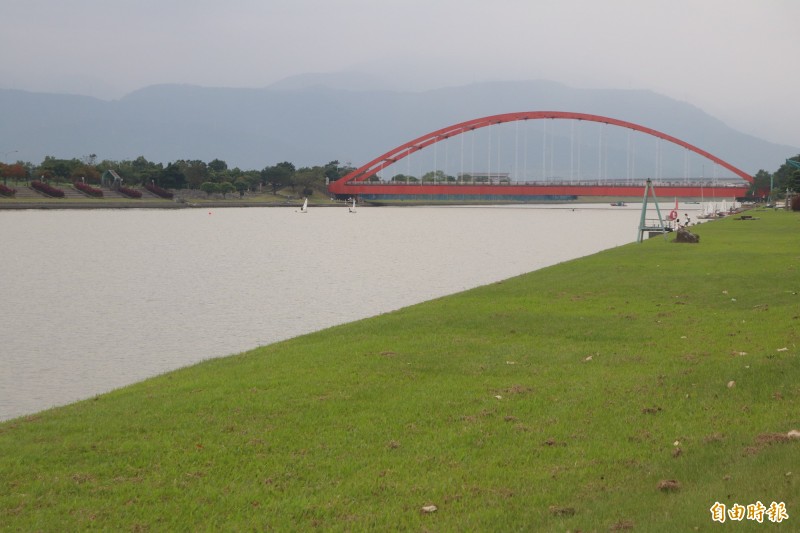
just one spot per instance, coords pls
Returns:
(352, 208)
(304, 209)
(709, 211)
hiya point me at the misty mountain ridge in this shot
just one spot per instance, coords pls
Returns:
(313, 119)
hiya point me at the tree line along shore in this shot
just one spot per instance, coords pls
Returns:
(69, 196)
(127, 178)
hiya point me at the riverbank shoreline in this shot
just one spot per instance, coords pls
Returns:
(165, 204)
(638, 387)
(65, 204)
(28, 198)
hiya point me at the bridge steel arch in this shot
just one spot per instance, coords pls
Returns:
(356, 181)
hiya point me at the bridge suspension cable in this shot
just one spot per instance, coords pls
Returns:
(558, 163)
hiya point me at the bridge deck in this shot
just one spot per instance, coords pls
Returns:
(521, 189)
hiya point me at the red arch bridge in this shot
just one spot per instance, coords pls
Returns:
(613, 162)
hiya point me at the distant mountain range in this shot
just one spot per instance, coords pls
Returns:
(313, 119)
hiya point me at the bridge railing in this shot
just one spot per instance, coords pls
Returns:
(570, 183)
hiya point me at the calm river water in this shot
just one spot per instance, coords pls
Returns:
(94, 300)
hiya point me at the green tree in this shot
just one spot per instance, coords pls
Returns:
(209, 187)
(308, 179)
(761, 184)
(335, 171)
(171, 177)
(144, 171)
(435, 176)
(217, 165)
(196, 173)
(58, 170)
(241, 184)
(253, 178)
(793, 183)
(225, 187)
(88, 173)
(278, 176)
(784, 176)
(62, 171)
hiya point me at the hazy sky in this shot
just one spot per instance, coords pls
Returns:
(735, 59)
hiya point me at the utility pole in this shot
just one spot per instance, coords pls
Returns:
(771, 185)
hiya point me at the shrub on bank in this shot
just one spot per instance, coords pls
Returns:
(46, 189)
(7, 191)
(88, 189)
(130, 193)
(158, 191)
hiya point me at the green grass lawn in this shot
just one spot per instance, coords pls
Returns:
(631, 389)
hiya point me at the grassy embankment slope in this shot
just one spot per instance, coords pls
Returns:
(591, 395)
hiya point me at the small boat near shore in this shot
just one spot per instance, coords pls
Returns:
(618, 204)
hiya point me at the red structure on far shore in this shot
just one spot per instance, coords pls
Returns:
(358, 183)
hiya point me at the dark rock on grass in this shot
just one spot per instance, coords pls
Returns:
(684, 235)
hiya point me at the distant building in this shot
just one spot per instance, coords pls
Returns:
(111, 179)
(485, 177)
